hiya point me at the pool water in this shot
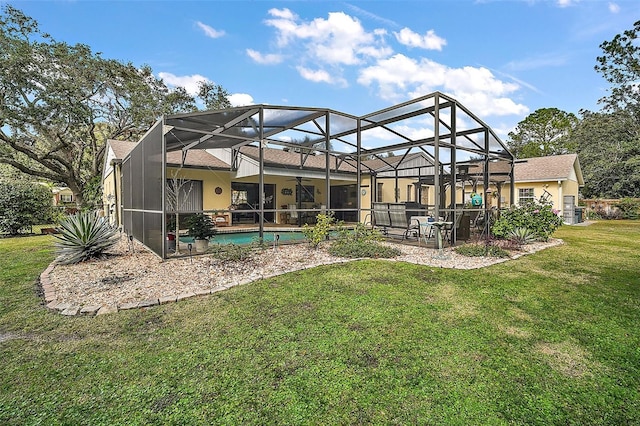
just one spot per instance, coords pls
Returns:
(241, 238)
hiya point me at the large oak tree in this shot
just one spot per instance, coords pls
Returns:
(59, 104)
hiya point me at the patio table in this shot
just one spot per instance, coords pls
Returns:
(439, 225)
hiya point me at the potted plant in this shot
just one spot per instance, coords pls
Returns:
(201, 228)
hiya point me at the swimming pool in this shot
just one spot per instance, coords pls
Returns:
(241, 238)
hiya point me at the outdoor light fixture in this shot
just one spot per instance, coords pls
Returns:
(189, 247)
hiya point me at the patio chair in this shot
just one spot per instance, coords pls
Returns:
(293, 214)
(398, 216)
(381, 217)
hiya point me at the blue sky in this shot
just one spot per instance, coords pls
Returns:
(501, 59)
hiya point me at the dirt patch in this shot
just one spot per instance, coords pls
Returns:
(567, 359)
(4, 337)
(516, 332)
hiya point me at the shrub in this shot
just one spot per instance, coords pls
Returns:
(540, 218)
(84, 236)
(629, 208)
(320, 231)
(233, 252)
(201, 227)
(23, 205)
(612, 214)
(481, 250)
(360, 242)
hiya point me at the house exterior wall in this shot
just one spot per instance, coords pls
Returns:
(63, 194)
(556, 189)
(112, 194)
(211, 179)
(406, 190)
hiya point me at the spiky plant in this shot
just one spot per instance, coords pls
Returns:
(83, 236)
(522, 236)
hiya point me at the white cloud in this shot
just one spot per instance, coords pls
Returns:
(337, 40)
(209, 31)
(189, 82)
(265, 59)
(401, 77)
(614, 8)
(428, 41)
(323, 50)
(282, 13)
(240, 99)
(567, 3)
(320, 76)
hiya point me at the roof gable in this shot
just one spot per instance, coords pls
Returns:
(553, 167)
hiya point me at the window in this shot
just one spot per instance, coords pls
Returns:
(185, 194)
(239, 197)
(409, 192)
(525, 195)
(379, 192)
(66, 198)
(305, 193)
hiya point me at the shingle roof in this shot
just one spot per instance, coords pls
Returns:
(195, 157)
(555, 167)
(379, 163)
(281, 158)
(121, 148)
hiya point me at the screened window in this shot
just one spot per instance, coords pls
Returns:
(379, 192)
(66, 198)
(305, 193)
(185, 194)
(525, 195)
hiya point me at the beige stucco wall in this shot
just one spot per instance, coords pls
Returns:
(110, 188)
(211, 179)
(557, 189)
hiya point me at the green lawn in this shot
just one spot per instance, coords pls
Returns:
(550, 338)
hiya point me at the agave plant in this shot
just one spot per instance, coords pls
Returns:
(83, 236)
(522, 236)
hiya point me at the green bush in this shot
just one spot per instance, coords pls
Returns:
(23, 205)
(481, 250)
(201, 226)
(320, 231)
(361, 242)
(540, 218)
(84, 236)
(233, 252)
(629, 208)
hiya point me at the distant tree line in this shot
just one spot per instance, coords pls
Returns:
(607, 141)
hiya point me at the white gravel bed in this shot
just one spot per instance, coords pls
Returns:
(131, 275)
